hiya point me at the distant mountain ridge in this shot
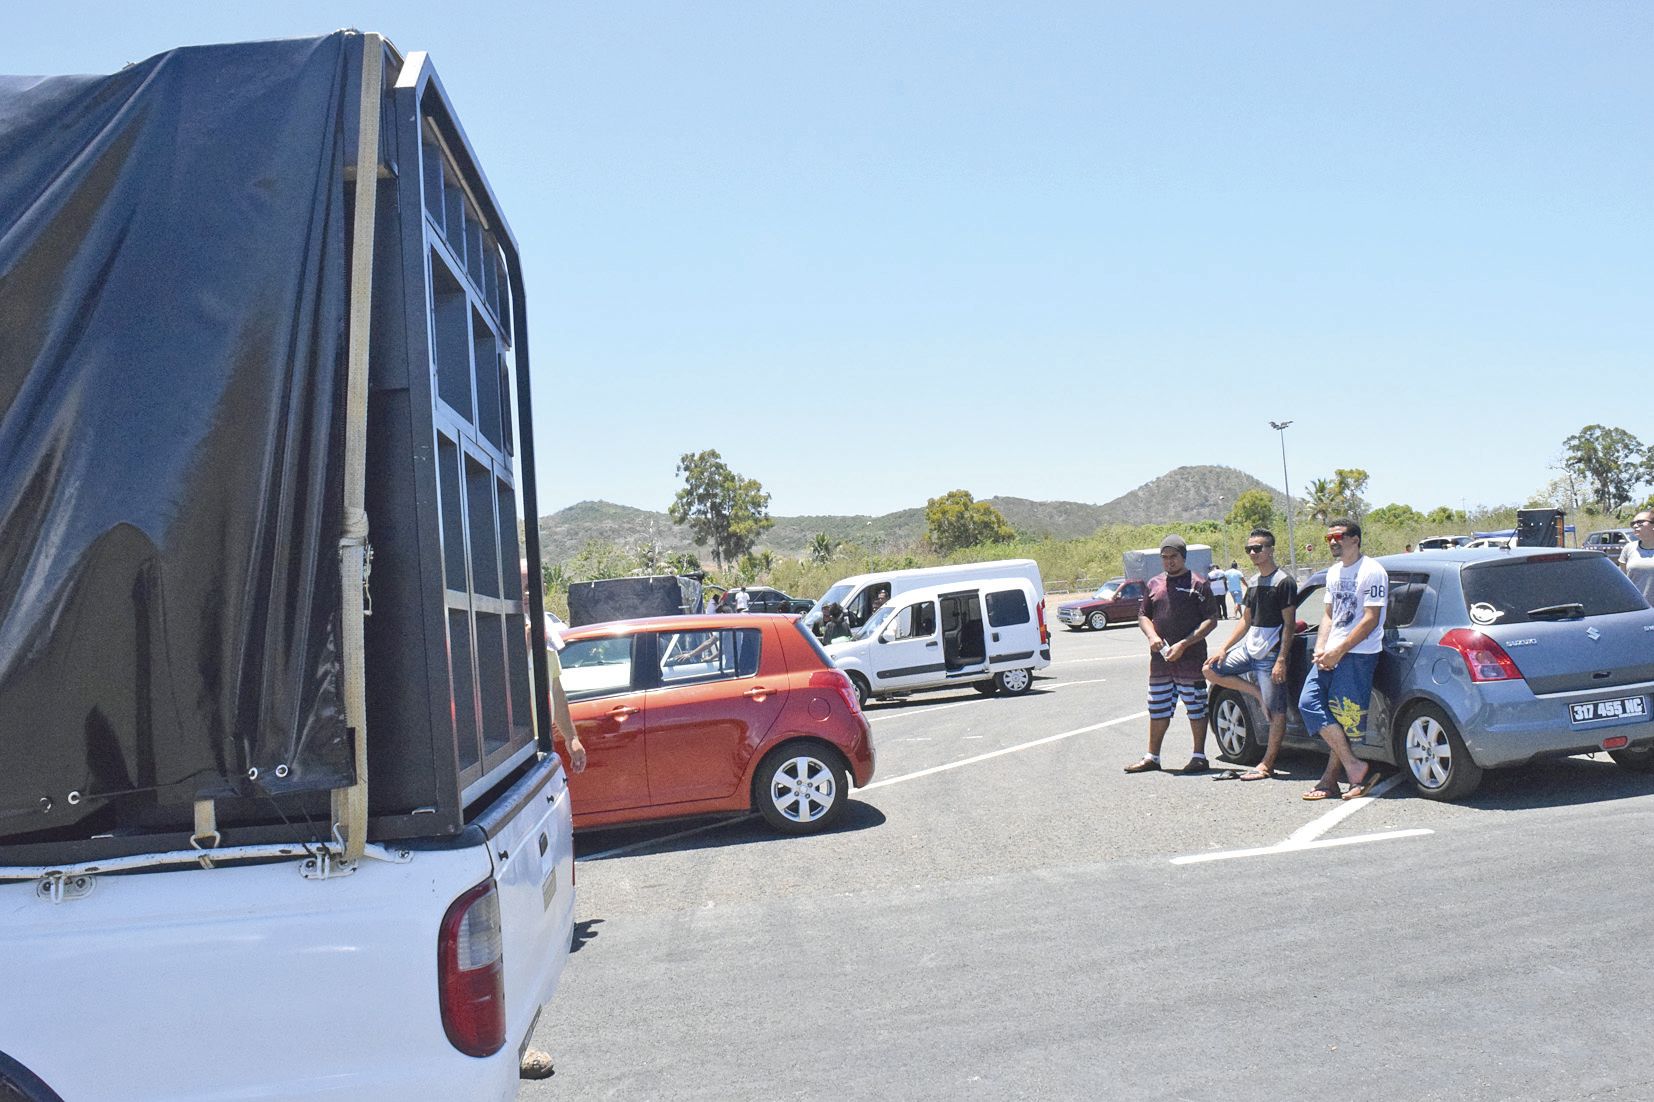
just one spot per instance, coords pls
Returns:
(1178, 496)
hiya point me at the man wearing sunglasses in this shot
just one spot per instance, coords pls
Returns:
(1178, 614)
(1258, 665)
(1637, 556)
(1339, 688)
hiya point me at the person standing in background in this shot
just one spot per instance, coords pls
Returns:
(1237, 586)
(1637, 557)
(1219, 584)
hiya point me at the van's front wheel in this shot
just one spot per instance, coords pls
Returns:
(1012, 682)
(863, 692)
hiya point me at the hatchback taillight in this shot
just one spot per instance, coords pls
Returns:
(839, 680)
(470, 966)
(1485, 659)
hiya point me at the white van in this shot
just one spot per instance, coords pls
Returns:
(859, 594)
(989, 634)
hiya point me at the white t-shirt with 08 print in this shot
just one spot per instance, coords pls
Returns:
(1350, 589)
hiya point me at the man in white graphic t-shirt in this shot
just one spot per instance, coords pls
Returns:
(1339, 688)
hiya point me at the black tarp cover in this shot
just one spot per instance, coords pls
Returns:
(173, 296)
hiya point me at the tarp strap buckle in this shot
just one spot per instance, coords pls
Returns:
(206, 836)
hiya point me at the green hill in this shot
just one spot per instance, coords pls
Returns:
(1180, 495)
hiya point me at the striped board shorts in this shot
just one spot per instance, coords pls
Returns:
(1166, 691)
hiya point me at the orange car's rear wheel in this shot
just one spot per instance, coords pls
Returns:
(801, 788)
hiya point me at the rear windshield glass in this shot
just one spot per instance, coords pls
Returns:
(1524, 591)
(1007, 607)
(815, 644)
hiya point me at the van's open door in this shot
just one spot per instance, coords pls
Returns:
(964, 646)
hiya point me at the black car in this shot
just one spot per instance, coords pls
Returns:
(765, 599)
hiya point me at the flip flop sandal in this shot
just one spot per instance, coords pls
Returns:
(1320, 794)
(1229, 775)
(1368, 783)
(1256, 775)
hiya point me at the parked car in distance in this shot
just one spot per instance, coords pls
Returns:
(695, 715)
(1609, 542)
(1116, 601)
(988, 634)
(1490, 659)
(1440, 543)
(765, 599)
(1492, 541)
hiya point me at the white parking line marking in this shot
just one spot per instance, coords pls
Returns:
(1102, 658)
(1294, 847)
(919, 711)
(1313, 830)
(1003, 751)
(630, 846)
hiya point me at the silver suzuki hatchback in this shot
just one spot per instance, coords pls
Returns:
(1492, 657)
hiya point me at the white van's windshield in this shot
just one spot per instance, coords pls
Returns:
(874, 623)
(832, 596)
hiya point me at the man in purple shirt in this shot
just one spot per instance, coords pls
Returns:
(1178, 613)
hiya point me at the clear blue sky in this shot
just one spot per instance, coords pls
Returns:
(873, 252)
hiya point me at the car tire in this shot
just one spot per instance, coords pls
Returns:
(1232, 729)
(1097, 621)
(1434, 755)
(863, 692)
(801, 787)
(986, 688)
(1638, 759)
(1013, 682)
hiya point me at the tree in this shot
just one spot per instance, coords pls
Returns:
(1322, 500)
(1253, 509)
(600, 559)
(1338, 496)
(1396, 514)
(1443, 514)
(957, 520)
(720, 507)
(1611, 462)
(683, 562)
(822, 547)
(754, 565)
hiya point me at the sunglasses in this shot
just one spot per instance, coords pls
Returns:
(1258, 549)
(1640, 523)
(1336, 537)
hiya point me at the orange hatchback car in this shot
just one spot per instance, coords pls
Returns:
(692, 715)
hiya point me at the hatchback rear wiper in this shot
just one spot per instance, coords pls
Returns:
(1569, 611)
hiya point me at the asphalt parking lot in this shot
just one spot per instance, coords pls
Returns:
(1004, 913)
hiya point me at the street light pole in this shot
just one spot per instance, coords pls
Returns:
(1286, 484)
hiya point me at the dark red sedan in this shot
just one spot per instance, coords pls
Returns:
(691, 715)
(1116, 600)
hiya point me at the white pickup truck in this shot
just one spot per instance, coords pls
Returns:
(279, 816)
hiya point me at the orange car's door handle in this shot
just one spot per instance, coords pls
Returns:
(757, 694)
(623, 711)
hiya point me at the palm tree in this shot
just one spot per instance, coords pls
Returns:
(1323, 498)
(822, 547)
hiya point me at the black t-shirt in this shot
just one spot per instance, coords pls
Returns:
(1267, 598)
(1266, 603)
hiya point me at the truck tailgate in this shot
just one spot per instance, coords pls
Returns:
(531, 838)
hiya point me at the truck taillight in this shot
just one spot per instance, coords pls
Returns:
(1485, 659)
(470, 965)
